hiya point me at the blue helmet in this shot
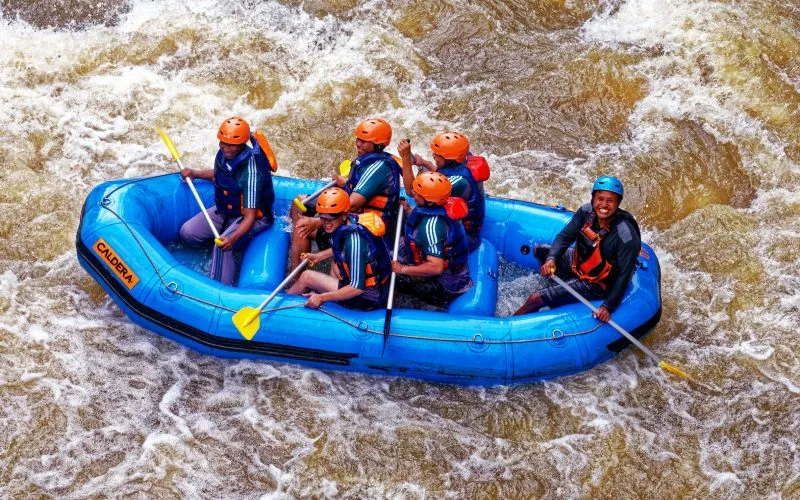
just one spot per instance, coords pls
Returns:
(608, 183)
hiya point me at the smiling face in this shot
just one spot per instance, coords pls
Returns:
(363, 147)
(331, 222)
(230, 150)
(605, 204)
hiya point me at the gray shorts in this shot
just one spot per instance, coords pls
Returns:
(555, 295)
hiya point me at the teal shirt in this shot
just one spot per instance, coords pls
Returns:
(431, 239)
(374, 181)
(431, 236)
(356, 252)
(460, 187)
(251, 181)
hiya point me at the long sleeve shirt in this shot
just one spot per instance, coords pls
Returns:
(620, 248)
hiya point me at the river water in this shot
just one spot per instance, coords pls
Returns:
(693, 103)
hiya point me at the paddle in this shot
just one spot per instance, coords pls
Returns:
(247, 320)
(662, 364)
(344, 171)
(175, 155)
(387, 321)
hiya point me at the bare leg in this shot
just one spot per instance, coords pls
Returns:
(335, 271)
(294, 212)
(314, 280)
(300, 245)
(533, 304)
(303, 233)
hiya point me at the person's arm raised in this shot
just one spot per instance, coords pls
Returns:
(404, 148)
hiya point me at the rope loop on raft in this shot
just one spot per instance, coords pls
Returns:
(172, 287)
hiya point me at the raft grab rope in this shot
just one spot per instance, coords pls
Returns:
(172, 287)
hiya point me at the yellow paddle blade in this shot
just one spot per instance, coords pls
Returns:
(344, 168)
(247, 321)
(168, 143)
(672, 369)
(300, 205)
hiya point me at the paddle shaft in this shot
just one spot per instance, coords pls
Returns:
(313, 196)
(177, 157)
(280, 287)
(611, 322)
(199, 201)
(396, 248)
(387, 319)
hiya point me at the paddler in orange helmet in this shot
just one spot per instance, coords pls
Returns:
(373, 186)
(243, 196)
(452, 158)
(433, 260)
(359, 276)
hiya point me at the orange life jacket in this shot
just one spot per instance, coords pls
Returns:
(595, 269)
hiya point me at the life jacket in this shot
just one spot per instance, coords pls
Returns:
(595, 268)
(456, 248)
(479, 168)
(384, 204)
(379, 265)
(262, 143)
(473, 222)
(228, 195)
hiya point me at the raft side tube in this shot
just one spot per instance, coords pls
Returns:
(554, 351)
(481, 299)
(264, 260)
(458, 354)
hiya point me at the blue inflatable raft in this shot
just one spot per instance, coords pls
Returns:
(127, 227)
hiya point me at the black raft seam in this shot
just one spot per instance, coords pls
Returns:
(638, 332)
(256, 347)
(201, 337)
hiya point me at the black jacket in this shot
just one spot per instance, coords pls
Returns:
(620, 248)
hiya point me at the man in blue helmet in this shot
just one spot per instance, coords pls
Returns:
(601, 264)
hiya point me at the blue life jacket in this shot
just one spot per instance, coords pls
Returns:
(379, 264)
(456, 249)
(476, 203)
(384, 204)
(228, 195)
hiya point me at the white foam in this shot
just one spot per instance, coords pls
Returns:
(37, 333)
(140, 386)
(682, 33)
(27, 377)
(8, 285)
(647, 23)
(757, 351)
(722, 479)
(167, 400)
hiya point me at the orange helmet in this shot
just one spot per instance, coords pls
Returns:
(451, 146)
(434, 187)
(234, 130)
(374, 130)
(333, 201)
